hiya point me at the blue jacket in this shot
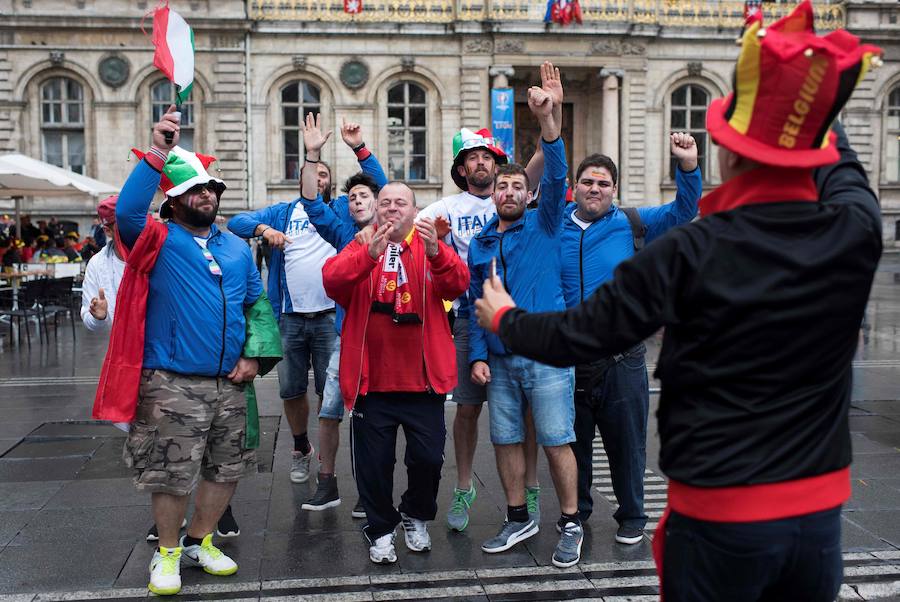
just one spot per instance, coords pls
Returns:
(527, 254)
(590, 256)
(336, 231)
(277, 216)
(195, 319)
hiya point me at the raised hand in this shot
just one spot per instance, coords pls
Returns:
(365, 236)
(493, 297)
(540, 103)
(313, 138)
(169, 123)
(351, 133)
(428, 233)
(684, 149)
(99, 306)
(380, 241)
(551, 83)
(442, 226)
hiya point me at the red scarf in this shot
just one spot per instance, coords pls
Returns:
(120, 378)
(393, 295)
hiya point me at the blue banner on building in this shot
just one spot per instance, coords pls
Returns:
(503, 120)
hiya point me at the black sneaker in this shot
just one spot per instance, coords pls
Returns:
(629, 535)
(326, 496)
(153, 532)
(358, 510)
(227, 526)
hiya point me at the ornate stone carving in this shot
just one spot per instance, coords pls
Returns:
(617, 48)
(299, 62)
(510, 47)
(695, 68)
(57, 57)
(408, 63)
(354, 74)
(478, 46)
(114, 70)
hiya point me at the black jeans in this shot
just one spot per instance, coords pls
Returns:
(780, 560)
(615, 401)
(373, 435)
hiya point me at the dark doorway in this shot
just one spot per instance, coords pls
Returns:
(528, 132)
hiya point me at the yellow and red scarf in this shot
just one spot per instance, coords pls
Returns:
(393, 294)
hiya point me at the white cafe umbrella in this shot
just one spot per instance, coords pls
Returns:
(23, 176)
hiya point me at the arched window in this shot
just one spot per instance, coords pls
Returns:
(406, 126)
(892, 137)
(297, 99)
(688, 114)
(62, 123)
(162, 94)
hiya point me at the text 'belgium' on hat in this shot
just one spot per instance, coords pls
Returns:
(466, 140)
(789, 86)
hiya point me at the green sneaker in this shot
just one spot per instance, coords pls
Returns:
(533, 502)
(458, 515)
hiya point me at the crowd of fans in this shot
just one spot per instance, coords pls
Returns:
(50, 241)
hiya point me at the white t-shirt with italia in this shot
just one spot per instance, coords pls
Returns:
(303, 261)
(467, 215)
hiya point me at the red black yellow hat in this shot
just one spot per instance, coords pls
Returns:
(789, 86)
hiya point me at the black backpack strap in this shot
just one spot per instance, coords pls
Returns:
(638, 229)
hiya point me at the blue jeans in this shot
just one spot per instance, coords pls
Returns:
(304, 339)
(617, 402)
(773, 561)
(332, 406)
(517, 381)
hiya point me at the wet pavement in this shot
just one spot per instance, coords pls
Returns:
(73, 527)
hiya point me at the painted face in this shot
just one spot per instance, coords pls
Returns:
(511, 195)
(198, 206)
(361, 203)
(396, 206)
(479, 167)
(594, 192)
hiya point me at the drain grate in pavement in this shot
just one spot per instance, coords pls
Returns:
(65, 451)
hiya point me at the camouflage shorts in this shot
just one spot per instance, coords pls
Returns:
(186, 427)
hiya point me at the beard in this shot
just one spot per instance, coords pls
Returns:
(511, 214)
(195, 217)
(479, 179)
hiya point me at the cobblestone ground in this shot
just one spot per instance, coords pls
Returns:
(72, 527)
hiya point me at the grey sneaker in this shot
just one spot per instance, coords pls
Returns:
(458, 515)
(382, 550)
(300, 465)
(416, 534)
(326, 496)
(358, 510)
(510, 534)
(533, 502)
(568, 550)
(629, 535)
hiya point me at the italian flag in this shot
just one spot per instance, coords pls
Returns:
(174, 41)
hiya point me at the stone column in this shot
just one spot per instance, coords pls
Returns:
(609, 120)
(500, 73)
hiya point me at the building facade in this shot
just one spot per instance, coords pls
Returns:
(78, 87)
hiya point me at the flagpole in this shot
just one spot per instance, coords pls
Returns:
(169, 136)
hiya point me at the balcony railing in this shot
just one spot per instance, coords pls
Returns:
(673, 13)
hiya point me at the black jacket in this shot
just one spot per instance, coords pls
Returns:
(761, 306)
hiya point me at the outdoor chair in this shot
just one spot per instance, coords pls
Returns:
(57, 299)
(23, 307)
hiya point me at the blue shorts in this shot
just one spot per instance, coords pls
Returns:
(305, 340)
(518, 383)
(332, 401)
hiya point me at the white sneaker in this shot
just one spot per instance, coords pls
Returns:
(416, 534)
(382, 550)
(211, 558)
(165, 572)
(300, 465)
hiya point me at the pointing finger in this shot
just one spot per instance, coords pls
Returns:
(102, 295)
